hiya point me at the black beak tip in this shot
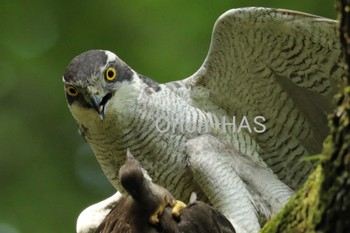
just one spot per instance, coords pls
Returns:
(102, 115)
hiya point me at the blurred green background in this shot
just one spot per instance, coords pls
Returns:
(47, 172)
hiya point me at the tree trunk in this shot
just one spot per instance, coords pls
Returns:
(323, 203)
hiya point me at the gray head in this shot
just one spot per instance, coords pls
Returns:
(92, 79)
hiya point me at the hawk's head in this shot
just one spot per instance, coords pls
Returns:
(93, 79)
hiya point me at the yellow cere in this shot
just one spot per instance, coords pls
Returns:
(110, 74)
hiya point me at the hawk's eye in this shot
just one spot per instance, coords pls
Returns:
(71, 91)
(110, 74)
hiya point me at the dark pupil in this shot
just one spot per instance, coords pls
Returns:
(73, 91)
(110, 74)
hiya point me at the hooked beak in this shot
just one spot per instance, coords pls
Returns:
(99, 103)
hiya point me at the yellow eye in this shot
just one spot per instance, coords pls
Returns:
(71, 91)
(110, 74)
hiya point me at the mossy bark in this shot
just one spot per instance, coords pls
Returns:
(323, 203)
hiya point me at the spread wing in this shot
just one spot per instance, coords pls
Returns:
(279, 64)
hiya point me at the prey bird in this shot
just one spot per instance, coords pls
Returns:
(137, 212)
(235, 132)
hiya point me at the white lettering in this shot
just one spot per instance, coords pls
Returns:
(244, 124)
(203, 126)
(225, 124)
(190, 127)
(177, 125)
(161, 120)
(256, 121)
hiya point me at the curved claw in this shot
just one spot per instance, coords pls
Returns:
(176, 206)
(153, 219)
(179, 205)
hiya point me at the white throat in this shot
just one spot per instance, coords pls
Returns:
(118, 108)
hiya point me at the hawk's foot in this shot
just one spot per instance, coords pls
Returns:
(154, 217)
(179, 205)
(168, 201)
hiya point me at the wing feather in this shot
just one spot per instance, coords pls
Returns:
(279, 64)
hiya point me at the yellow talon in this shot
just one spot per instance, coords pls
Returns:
(179, 205)
(154, 217)
(168, 201)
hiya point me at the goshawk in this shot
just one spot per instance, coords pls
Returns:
(235, 132)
